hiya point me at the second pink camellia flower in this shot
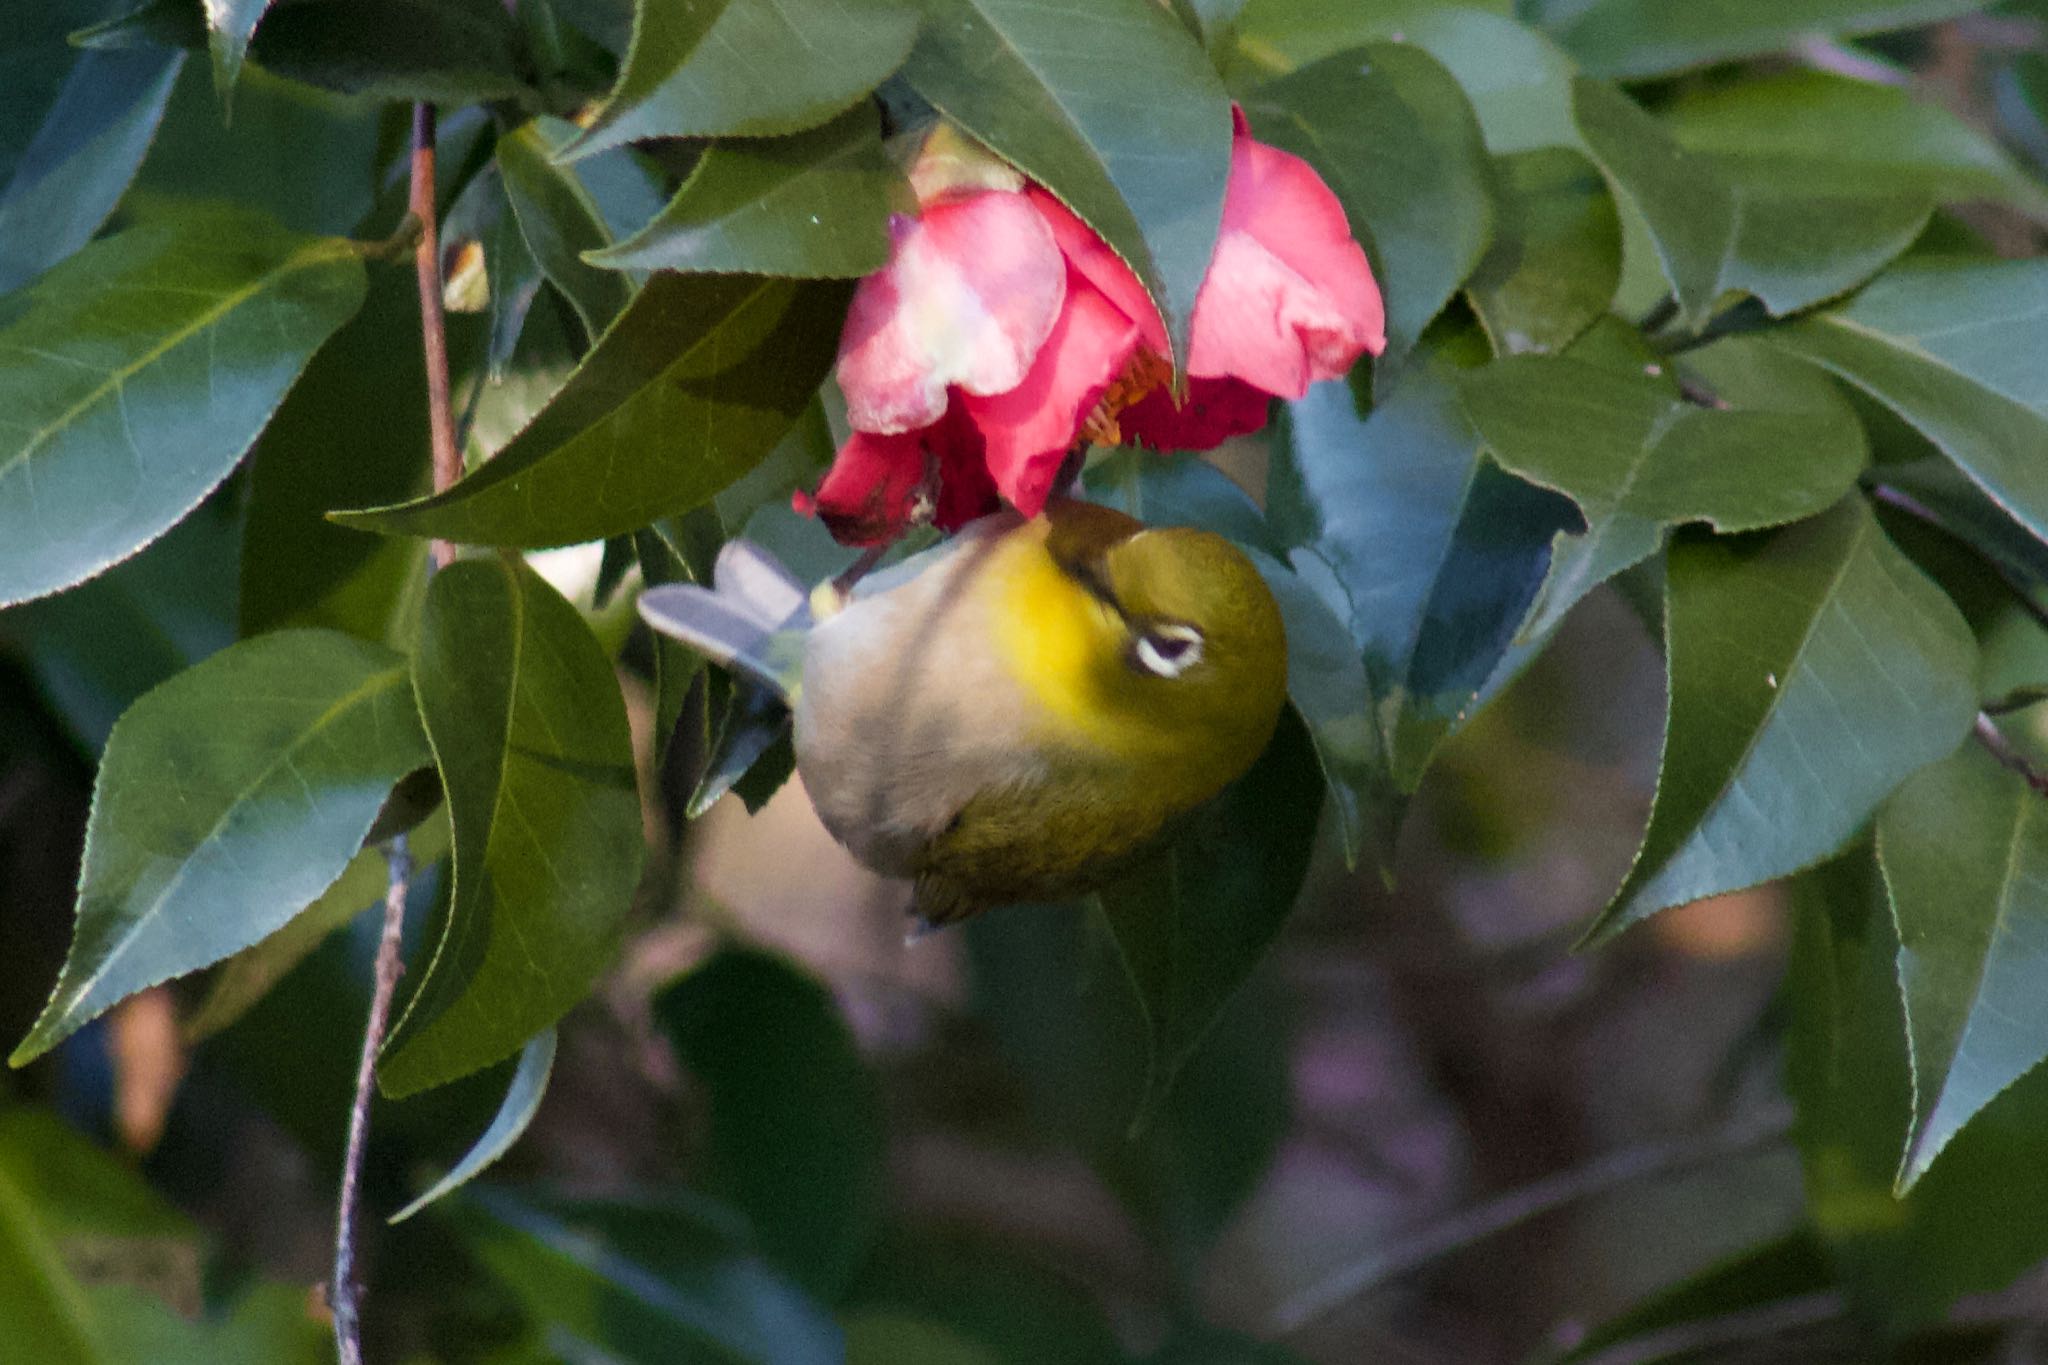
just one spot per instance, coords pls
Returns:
(1003, 330)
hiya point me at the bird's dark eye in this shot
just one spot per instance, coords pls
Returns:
(1167, 651)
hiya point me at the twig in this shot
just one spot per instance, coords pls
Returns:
(2015, 582)
(433, 325)
(1645, 1161)
(1988, 735)
(1762, 1323)
(343, 1292)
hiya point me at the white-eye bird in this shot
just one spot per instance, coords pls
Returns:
(1018, 714)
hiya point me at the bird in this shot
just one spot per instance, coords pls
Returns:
(1021, 714)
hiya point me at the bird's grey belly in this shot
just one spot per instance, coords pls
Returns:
(905, 716)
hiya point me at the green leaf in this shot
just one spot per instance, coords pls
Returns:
(134, 375)
(1431, 551)
(1192, 923)
(1164, 488)
(731, 360)
(229, 798)
(522, 1101)
(483, 214)
(797, 1141)
(44, 1313)
(1630, 39)
(65, 178)
(559, 221)
(298, 568)
(1980, 1216)
(529, 733)
(643, 1280)
(1786, 1267)
(704, 70)
(1638, 458)
(442, 51)
(983, 1287)
(1949, 345)
(1812, 671)
(1688, 208)
(1964, 848)
(1129, 128)
(309, 158)
(1393, 134)
(230, 25)
(1556, 255)
(1518, 81)
(1940, 494)
(1811, 133)
(98, 647)
(814, 205)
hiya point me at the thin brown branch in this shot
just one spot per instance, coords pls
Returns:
(1989, 735)
(343, 1291)
(1645, 1161)
(433, 324)
(2016, 583)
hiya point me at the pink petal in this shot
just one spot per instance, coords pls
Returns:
(970, 293)
(1216, 410)
(1289, 298)
(866, 496)
(1100, 266)
(1029, 430)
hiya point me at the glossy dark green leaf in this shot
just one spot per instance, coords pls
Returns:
(1130, 128)
(1630, 39)
(1688, 208)
(644, 1281)
(1193, 923)
(731, 361)
(1556, 255)
(230, 24)
(704, 70)
(1964, 848)
(444, 51)
(1394, 136)
(1813, 133)
(298, 568)
(1948, 346)
(1980, 1216)
(812, 205)
(663, 553)
(797, 1141)
(529, 733)
(559, 221)
(1812, 670)
(1795, 250)
(1177, 489)
(64, 179)
(308, 157)
(98, 647)
(522, 1101)
(229, 798)
(134, 375)
(1518, 81)
(1638, 458)
(1432, 550)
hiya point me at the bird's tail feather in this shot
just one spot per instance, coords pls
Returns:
(752, 620)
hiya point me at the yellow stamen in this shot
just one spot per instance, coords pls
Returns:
(1142, 374)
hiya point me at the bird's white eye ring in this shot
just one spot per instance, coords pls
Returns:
(1167, 651)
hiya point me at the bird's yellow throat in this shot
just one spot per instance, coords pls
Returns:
(1064, 646)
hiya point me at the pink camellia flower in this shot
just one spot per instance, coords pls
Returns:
(1003, 330)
